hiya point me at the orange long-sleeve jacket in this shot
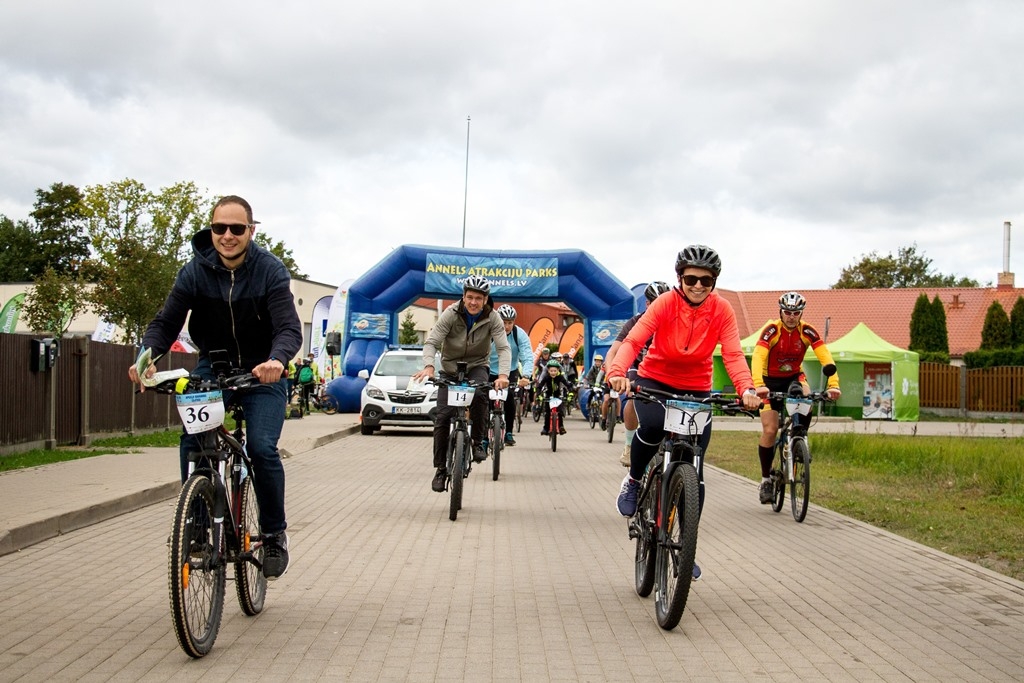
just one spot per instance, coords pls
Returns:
(685, 337)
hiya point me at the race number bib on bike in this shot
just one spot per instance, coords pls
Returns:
(799, 406)
(460, 396)
(200, 412)
(686, 417)
(497, 394)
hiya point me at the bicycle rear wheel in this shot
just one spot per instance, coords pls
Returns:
(800, 488)
(497, 445)
(594, 413)
(457, 472)
(646, 530)
(250, 583)
(778, 479)
(328, 405)
(674, 562)
(195, 572)
(613, 416)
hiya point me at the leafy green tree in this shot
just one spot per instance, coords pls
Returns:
(1017, 323)
(16, 255)
(280, 251)
(907, 269)
(54, 302)
(941, 330)
(995, 333)
(921, 324)
(61, 242)
(140, 240)
(407, 332)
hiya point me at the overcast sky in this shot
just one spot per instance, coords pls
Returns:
(791, 136)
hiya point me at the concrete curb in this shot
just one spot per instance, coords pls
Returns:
(17, 538)
(20, 537)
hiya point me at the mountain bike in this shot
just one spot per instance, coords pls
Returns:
(614, 408)
(594, 405)
(216, 517)
(538, 407)
(461, 391)
(554, 421)
(522, 405)
(496, 429)
(792, 461)
(668, 509)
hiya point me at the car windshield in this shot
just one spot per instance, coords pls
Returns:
(399, 364)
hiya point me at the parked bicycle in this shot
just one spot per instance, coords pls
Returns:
(668, 512)
(216, 517)
(792, 461)
(460, 446)
(496, 429)
(322, 401)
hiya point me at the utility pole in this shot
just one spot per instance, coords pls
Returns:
(465, 195)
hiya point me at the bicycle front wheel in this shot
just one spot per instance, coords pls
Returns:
(457, 472)
(646, 529)
(196, 571)
(778, 479)
(250, 584)
(677, 547)
(328, 405)
(497, 445)
(613, 416)
(800, 487)
(593, 413)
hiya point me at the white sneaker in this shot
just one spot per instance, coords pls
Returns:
(624, 458)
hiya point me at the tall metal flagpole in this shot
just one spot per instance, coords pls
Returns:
(465, 195)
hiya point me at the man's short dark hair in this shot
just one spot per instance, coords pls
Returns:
(234, 199)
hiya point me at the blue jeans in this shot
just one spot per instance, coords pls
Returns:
(264, 406)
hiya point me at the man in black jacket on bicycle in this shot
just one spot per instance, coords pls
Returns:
(240, 298)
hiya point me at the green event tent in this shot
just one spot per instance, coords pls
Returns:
(879, 380)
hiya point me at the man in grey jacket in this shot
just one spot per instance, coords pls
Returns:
(463, 333)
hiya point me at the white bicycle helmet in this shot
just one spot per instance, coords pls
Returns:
(506, 312)
(476, 283)
(654, 290)
(792, 302)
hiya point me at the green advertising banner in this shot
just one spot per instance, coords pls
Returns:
(9, 314)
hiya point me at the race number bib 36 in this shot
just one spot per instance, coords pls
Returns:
(200, 412)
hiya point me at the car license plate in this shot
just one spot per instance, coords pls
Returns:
(406, 409)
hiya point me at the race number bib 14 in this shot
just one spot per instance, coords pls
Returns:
(200, 412)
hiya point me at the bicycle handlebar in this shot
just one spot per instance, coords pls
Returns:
(241, 380)
(727, 404)
(819, 396)
(442, 382)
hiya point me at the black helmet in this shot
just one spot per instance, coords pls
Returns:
(699, 256)
(654, 290)
(476, 283)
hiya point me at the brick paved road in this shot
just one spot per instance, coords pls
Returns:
(533, 582)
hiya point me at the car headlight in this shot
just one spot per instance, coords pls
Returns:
(374, 392)
(433, 395)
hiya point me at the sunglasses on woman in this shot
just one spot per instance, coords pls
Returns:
(237, 229)
(704, 280)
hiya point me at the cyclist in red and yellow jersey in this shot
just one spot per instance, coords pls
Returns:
(777, 363)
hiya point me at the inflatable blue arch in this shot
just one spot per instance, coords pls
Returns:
(414, 271)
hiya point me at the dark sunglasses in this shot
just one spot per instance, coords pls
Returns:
(237, 229)
(705, 280)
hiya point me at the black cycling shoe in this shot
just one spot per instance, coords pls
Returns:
(275, 555)
(479, 454)
(439, 480)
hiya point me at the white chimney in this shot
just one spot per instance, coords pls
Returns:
(1005, 279)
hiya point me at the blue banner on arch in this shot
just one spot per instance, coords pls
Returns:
(508, 277)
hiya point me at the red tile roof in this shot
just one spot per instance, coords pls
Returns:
(886, 311)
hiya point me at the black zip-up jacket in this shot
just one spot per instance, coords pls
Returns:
(249, 311)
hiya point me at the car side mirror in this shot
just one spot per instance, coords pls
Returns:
(364, 374)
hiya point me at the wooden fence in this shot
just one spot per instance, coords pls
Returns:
(983, 390)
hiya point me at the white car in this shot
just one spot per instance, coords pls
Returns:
(388, 400)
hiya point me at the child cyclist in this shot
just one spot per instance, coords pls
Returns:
(553, 383)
